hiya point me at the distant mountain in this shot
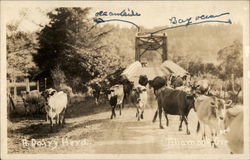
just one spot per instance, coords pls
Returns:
(192, 42)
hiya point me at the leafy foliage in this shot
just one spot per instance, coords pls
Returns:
(231, 61)
(20, 47)
(74, 43)
(81, 50)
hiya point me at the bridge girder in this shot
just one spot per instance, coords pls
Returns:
(144, 43)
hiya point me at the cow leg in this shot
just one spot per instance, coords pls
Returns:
(57, 119)
(96, 101)
(139, 114)
(213, 137)
(160, 114)
(203, 132)
(61, 117)
(142, 114)
(155, 116)
(112, 112)
(166, 116)
(123, 102)
(186, 122)
(120, 106)
(51, 123)
(142, 111)
(180, 126)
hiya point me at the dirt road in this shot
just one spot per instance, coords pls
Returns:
(89, 129)
(95, 132)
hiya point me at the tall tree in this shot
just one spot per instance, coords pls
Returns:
(231, 60)
(20, 47)
(73, 42)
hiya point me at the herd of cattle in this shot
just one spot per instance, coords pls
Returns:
(175, 95)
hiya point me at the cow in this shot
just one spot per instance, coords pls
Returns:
(157, 83)
(33, 102)
(139, 98)
(96, 90)
(127, 87)
(203, 87)
(174, 102)
(48, 92)
(233, 124)
(55, 106)
(175, 81)
(115, 97)
(210, 112)
(68, 90)
(143, 80)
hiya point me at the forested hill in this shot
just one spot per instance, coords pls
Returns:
(194, 42)
(66, 46)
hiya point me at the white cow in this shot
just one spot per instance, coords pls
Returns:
(139, 98)
(55, 106)
(234, 127)
(210, 112)
(116, 97)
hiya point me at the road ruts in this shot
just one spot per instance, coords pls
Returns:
(122, 135)
(126, 135)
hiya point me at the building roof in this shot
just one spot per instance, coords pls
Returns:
(172, 67)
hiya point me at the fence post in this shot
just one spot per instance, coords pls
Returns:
(8, 87)
(14, 85)
(37, 85)
(45, 83)
(27, 83)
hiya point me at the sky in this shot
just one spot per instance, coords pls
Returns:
(153, 13)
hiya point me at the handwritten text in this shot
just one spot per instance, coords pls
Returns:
(124, 13)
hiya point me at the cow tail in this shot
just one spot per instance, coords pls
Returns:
(198, 127)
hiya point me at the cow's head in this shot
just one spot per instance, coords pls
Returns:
(190, 100)
(219, 107)
(150, 83)
(48, 92)
(137, 93)
(112, 91)
(194, 90)
(222, 107)
(231, 112)
(143, 80)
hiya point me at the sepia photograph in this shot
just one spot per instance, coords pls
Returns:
(125, 80)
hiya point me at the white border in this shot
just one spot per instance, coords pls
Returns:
(4, 155)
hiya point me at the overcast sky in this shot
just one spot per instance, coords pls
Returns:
(152, 13)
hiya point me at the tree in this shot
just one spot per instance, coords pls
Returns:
(211, 68)
(74, 43)
(231, 61)
(20, 47)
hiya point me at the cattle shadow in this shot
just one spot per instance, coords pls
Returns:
(85, 108)
(43, 130)
(77, 109)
